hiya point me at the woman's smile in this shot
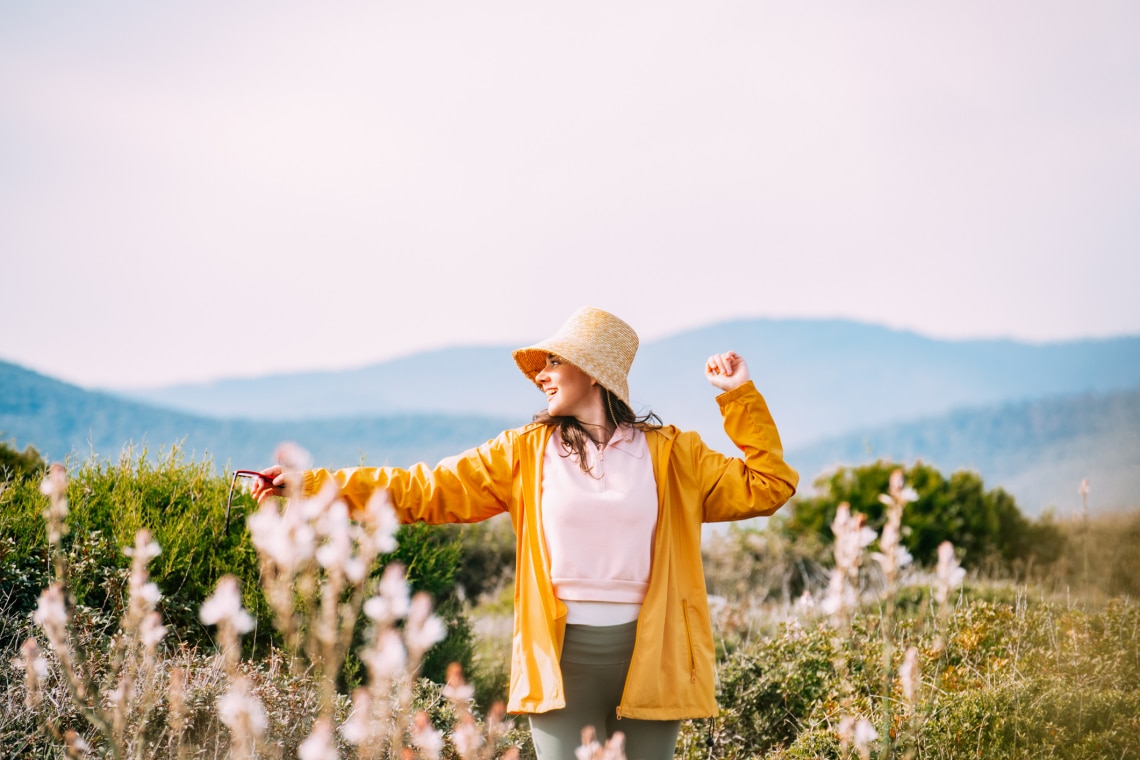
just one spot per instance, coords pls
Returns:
(569, 391)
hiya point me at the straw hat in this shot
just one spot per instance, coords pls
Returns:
(594, 341)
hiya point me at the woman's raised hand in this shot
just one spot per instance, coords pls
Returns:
(277, 482)
(727, 371)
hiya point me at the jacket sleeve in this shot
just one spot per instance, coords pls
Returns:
(761, 482)
(470, 487)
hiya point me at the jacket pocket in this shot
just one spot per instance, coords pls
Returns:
(689, 641)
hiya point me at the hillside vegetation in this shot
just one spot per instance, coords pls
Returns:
(914, 659)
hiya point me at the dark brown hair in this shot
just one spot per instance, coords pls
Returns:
(574, 435)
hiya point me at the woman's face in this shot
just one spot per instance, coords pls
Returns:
(569, 391)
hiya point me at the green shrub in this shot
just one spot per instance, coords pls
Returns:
(182, 503)
(15, 464)
(983, 525)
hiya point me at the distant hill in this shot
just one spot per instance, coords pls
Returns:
(1033, 419)
(61, 419)
(1039, 451)
(823, 378)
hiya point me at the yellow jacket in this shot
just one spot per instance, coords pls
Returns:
(672, 673)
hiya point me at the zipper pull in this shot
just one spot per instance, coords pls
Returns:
(619, 712)
(693, 675)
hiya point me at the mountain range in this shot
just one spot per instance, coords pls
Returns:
(1032, 418)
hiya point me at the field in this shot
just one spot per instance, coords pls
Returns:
(305, 634)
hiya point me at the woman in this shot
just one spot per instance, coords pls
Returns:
(611, 615)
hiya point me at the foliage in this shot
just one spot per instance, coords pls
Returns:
(488, 555)
(985, 526)
(15, 464)
(1014, 680)
(182, 503)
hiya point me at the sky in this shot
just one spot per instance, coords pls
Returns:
(192, 191)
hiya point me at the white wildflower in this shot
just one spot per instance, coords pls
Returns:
(285, 538)
(466, 736)
(896, 482)
(355, 569)
(54, 484)
(428, 740)
(950, 575)
(864, 734)
(292, 457)
(31, 660)
(358, 728)
(151, 631)
(850, 537)
(430, 633)
(225, 605)
(149, 594)
(51, 615)
(337, 546)
(395, 598)
(804, 604)
(387, 658)
(840, 596)
(50, 609)
(241, 711)
(379, 519)
(320, 744)
(457, 689)
(615, 747)
(909, 675)
(846, 730)
(77, 746)
(589, 748)
(423, 629)
(145, 548)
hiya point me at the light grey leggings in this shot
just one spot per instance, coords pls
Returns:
(595, 660)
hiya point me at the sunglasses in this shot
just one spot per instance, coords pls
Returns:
(241, 476)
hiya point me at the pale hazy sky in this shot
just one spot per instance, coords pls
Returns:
(193, 190)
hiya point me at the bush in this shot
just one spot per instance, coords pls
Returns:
(1001, 676)
(16, 465)
(985, 526)
(183, 503)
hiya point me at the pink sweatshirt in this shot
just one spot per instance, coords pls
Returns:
(599, 526)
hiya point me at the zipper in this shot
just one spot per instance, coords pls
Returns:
(689, 639)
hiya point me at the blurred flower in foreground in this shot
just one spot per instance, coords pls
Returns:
(859, 733)
(950, 575)
(224, 605)
(850, 538)
(428, 740)
(910, 676)
(292, 457)
(319, 745)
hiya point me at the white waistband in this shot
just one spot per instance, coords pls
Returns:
(600, 613)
